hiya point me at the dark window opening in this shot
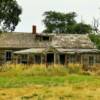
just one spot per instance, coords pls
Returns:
(8, 56)
(91, 60)
(45, 38)
(24, 59)
(50, 58)
(38, 38)
(38, 59)
(62, 59)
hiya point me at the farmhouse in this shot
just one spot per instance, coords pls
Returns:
(35, 48)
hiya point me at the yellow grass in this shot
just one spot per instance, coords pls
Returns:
(69, 90)
(40, 92)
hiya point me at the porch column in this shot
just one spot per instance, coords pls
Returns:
(55, 56)
(66, 59)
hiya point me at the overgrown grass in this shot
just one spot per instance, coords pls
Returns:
(33, 70)
(39, 70)
(21, 81)
(24, 75)
(57, 82)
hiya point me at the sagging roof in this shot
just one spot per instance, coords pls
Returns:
(28, 40)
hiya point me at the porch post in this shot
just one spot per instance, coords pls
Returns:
(54, 58)
(65, 59)
(41, 58)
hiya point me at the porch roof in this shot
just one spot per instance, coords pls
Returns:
(30, 51)
(63, 50)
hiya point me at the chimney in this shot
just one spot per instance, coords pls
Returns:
(34, 29)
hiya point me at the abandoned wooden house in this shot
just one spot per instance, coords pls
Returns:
(35, 48)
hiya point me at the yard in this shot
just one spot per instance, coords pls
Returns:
(71, 87)
(34, 85)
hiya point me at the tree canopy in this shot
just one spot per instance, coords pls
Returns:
(57, 22)
(9, 15)
(96, 39)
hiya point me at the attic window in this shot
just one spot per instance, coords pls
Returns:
(45, 38)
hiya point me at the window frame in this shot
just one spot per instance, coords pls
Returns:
(7, 58)
(25, 60)
(35, 59)
(93, 60)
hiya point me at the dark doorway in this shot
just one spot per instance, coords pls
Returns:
(62, 59)
(50, 58)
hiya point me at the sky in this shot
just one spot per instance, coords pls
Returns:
(33, 10)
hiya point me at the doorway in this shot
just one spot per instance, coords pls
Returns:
(50, 58)
(62, 59)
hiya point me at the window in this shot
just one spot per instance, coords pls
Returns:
(71, 59)
(8, 55)
(91, 60)
(24, 59)
(38, 59)
(45, 38)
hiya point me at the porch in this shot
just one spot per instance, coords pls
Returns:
(54, 56)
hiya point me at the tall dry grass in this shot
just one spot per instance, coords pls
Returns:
(34, 70)
(44, 70)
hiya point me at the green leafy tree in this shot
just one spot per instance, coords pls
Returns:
(96, 39)
(82, 28)
(56, 22)
(9, 15)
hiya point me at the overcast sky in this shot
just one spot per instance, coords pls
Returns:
(33, 11)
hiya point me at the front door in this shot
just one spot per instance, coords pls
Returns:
(50, 58)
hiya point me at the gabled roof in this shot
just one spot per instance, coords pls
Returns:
(28, 40)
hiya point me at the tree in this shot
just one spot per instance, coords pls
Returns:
(9, 15)
(56, 22)
(82, 28)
